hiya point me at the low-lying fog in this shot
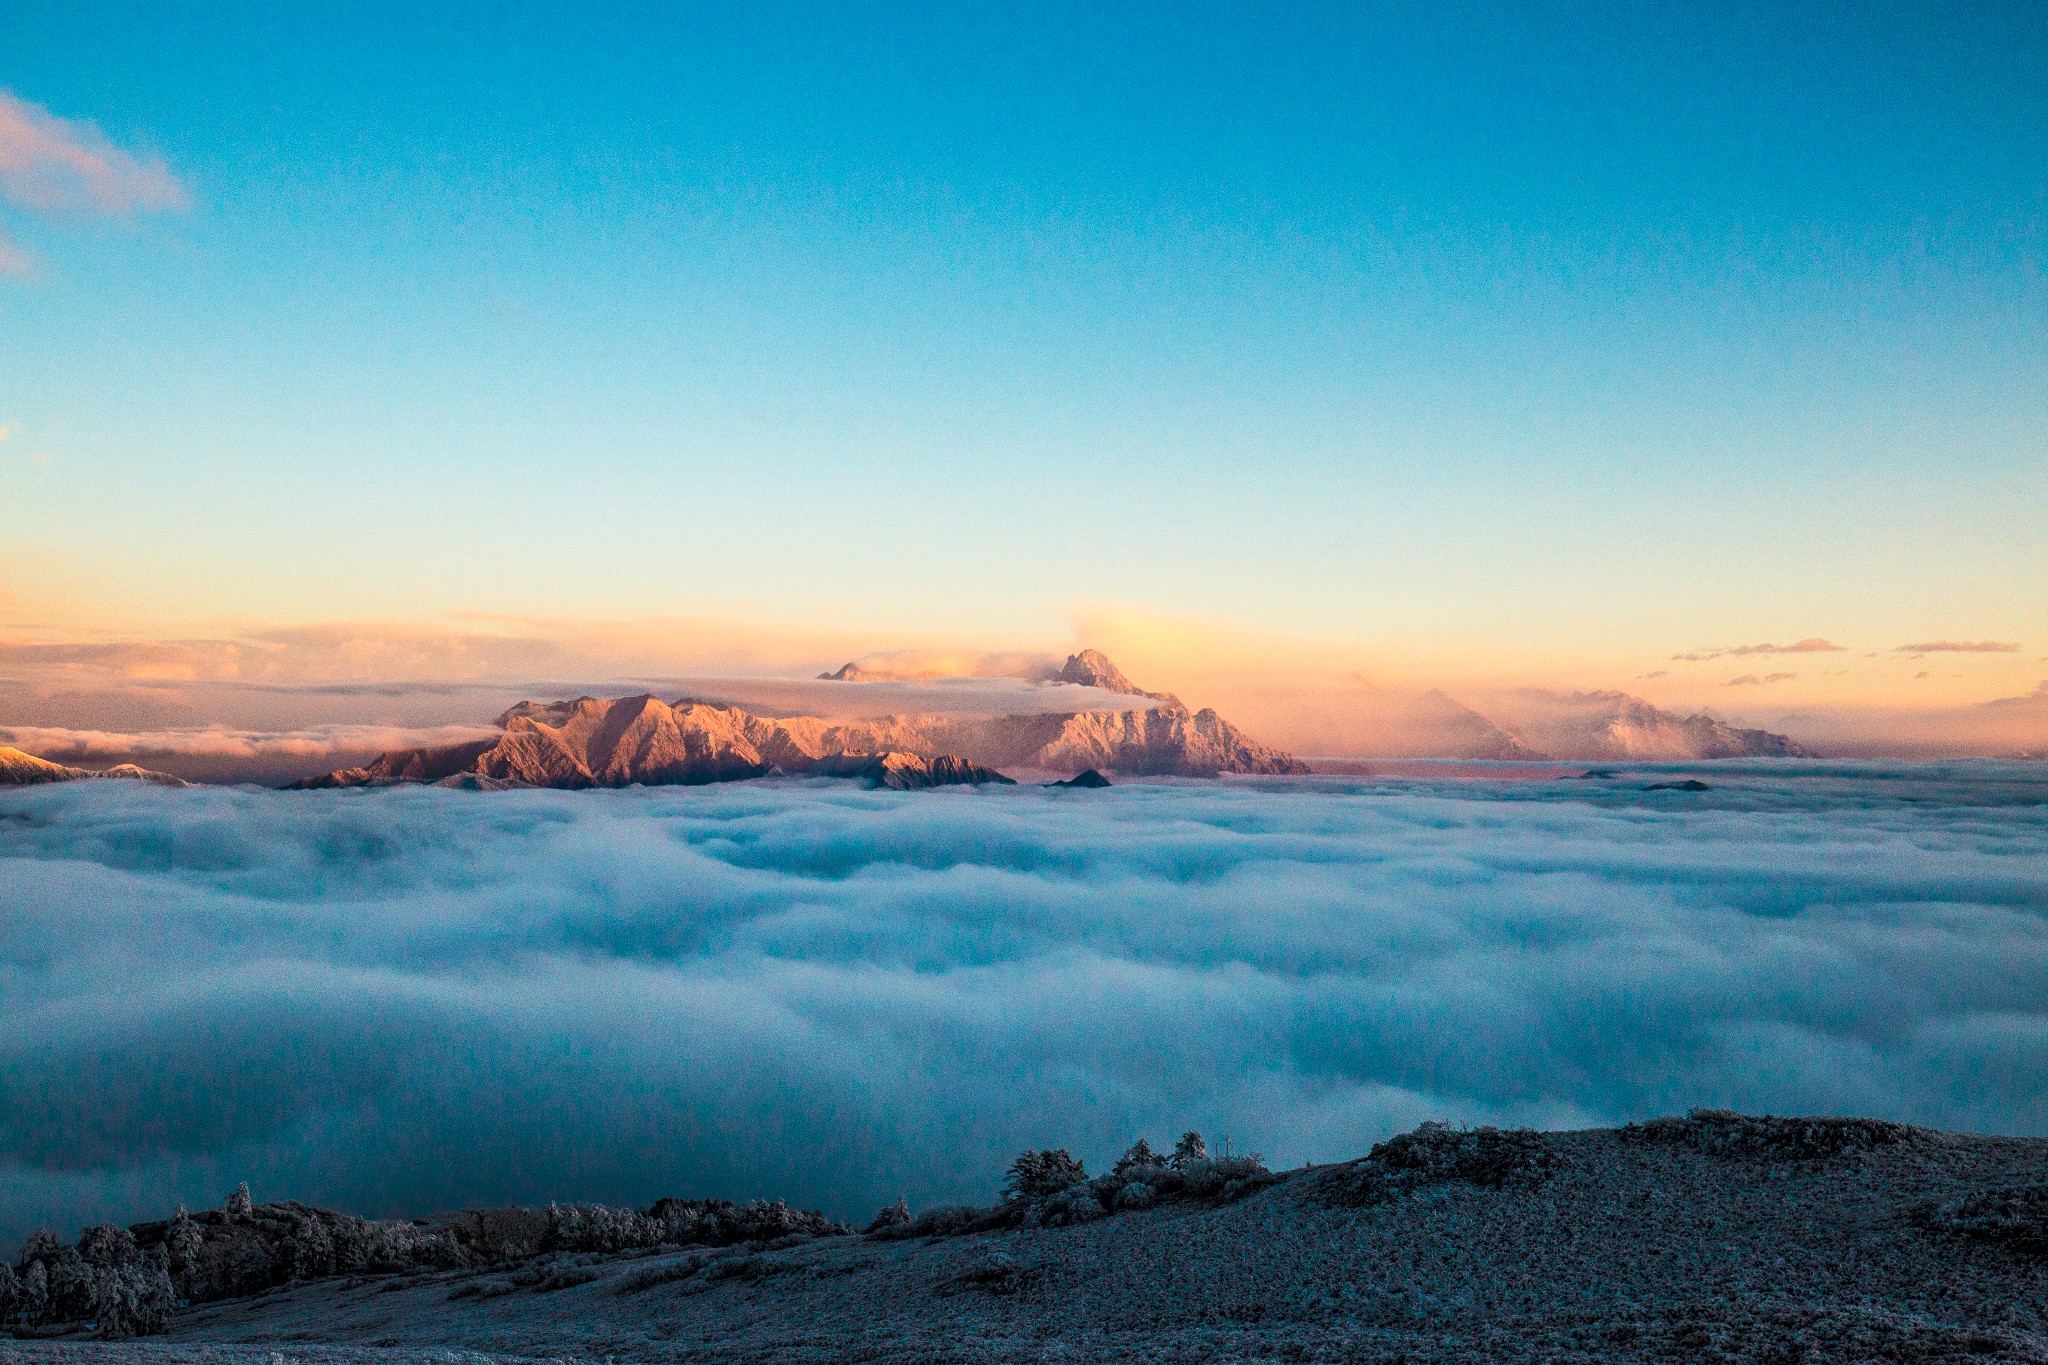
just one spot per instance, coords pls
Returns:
(413, 999)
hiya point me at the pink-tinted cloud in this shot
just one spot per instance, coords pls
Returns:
(1811, 645)
(1959, 647)
(54, 164)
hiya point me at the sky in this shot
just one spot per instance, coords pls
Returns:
(403, 1000)
(1462, 344)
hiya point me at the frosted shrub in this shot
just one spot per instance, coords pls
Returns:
(1079, 1202)
(593, 1227)
(1209, 1177)
(1723, 1132)
(1436, 1152)
(949, 1220)
(1136, 1195)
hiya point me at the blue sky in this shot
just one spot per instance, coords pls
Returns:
(1594, 334)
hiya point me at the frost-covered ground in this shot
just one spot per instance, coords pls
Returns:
(405, 1000)
(1593, 1246)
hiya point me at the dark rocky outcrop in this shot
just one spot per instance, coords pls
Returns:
(1723, 1132)
(908, 772)
(1086, 779)
(1436, 1152)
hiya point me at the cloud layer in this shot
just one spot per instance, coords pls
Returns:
(415, 999)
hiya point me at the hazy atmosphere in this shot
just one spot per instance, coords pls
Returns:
(1691, 352)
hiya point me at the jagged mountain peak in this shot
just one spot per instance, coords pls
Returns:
(1092, 668)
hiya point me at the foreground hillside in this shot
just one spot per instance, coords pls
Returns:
(1715, 1237)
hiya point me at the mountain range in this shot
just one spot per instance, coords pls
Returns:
(621, 741)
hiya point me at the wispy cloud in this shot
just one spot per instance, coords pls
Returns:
(1959, 647)
(1811, 645)
(52, 165)
(1752, 680)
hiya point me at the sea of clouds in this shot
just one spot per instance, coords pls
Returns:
(407, 1000)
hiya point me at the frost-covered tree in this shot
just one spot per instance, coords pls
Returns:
(1190, 1148)
(1033, 1175)
(107, 1244)
(183, 1240)
(1140, 1157)
(239, 1204)
(35, 1292)
(132, 1300)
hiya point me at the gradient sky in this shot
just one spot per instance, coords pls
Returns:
(1460, 332)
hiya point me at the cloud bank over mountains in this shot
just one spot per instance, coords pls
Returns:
(284, 684)
(413, 998)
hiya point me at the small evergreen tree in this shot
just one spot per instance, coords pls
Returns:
(1189, 1149)
(1034, 1175)
(182, 1241)
(895, 1215)
(239, 1204)
(1140, 1157)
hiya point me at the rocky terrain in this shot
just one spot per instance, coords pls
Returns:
(617, 743)
(614, 743)
(1712, 1237)
(18, 769)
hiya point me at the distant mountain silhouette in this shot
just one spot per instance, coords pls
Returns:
(1611, 726)
(18, 769)
(619, 742)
